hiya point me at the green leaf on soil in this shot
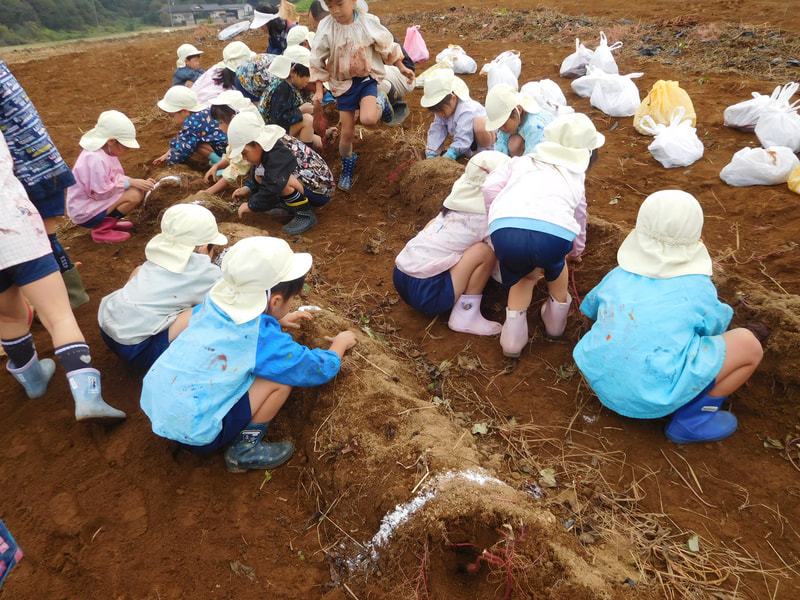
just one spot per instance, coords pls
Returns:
(480, 429)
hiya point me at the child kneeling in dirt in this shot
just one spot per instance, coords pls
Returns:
(456, 115)
(287, 177)
(139, 321)
(517, 118)
(660, 344)
(28, 269)
(188, 63)
(199, 132)
(449, 262)
(103, 195)
(223, 380)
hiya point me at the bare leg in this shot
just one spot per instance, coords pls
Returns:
(521, 293)
(179, 324)
(743, 353)
(516, 145)
(266, 399)
(130, 199)
(558, 287)
(348, 133)
(205, 150)
(482, 136)
(472, 272)
(370, 113)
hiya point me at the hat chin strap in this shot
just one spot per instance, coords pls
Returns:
(269, 297)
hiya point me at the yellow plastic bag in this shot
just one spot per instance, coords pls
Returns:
(664, 97)
(794, 181)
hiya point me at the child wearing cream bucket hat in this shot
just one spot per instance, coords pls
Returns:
(660, 343)
(141, 319)
(517, 118)
(224, 379)
(532, 205)
(447, 264)
(188, 63)
(103, 194)
(455, 115)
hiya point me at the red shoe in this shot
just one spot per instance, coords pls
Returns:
(105, 232)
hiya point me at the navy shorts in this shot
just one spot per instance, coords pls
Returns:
(143, 354)
(430, 296)
(362, 87)
(28, 272)
(233, 423)
(520, 251)
(315, 199)
(52, 205)
(94, 221)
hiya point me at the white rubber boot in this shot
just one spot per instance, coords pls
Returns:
(34, 376)
(89, 403)
(466, 317)
(514, 336)
(554, 315)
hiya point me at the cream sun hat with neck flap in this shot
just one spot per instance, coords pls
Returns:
(248, 127)
(251, 268)
(111, 125)
(179, 98)
(501, 101)
(184, 52)
(568, 142)
(439, 84)
(666, 240)
(183, 228)
(297, 35)
(234, 54)
(467, 195)
(281, 65)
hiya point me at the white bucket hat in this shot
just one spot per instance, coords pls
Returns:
(361, 6)
(233, 98)
(439, 84)
(183, 228)
(666, 240)
(262, 18)
(247, 127)
(111, 125)
(184, 52)
(297, 35)
(501, 101)
(281, 65)
(569, 141)
(179, 98)
(251, 268)
(234, 54)
(467, 195)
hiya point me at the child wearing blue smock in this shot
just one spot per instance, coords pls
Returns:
(517, 118)
(223, 380)
(660, 343)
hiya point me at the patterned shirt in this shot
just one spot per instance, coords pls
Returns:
(199, 127)
(280, 104)
(254, 75)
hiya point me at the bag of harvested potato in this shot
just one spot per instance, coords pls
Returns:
(663, 98)
(794, 180)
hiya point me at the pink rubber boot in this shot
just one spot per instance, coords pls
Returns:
(105, 232)
(514, 336)
(466, 317)
(554, 315)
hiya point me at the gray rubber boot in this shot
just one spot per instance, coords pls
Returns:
(77, 293)
(89, 404)
(34, 376)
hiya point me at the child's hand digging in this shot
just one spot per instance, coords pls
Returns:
(343, 341)
(290, 321)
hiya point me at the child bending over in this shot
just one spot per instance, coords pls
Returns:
(282, 103)
(518, 119)
(449, 262)
(349, 52)
(28, 269)
(103, 194)
(287, 177)
(140, 320)
(188, 70)
(224, 379)
(531, 204)
(222, 76)
(199, 132)
(660, 343)
(456, 115)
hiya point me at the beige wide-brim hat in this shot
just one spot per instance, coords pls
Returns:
(183, 228)
(233, 98)
(439, 84)
(251, 268)
(234, 54)
(261, 18)
(569, 141)
(500, 103)
(184, 52)
(179, 98)
(249, 127)
(666, 240)
(281, 65)
(111, 125)
(466, 194)
(297, 35)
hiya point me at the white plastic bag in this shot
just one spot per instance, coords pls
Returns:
(544, 90)
(602, 57)
(510, 58)
(616, 95)
(779, 127)
(584, 85)
(744, 115)
(462, 63)
(574, 65)
(675, 144)
(760, 166)
(499, 73)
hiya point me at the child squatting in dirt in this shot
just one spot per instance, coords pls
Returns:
(224, 379)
